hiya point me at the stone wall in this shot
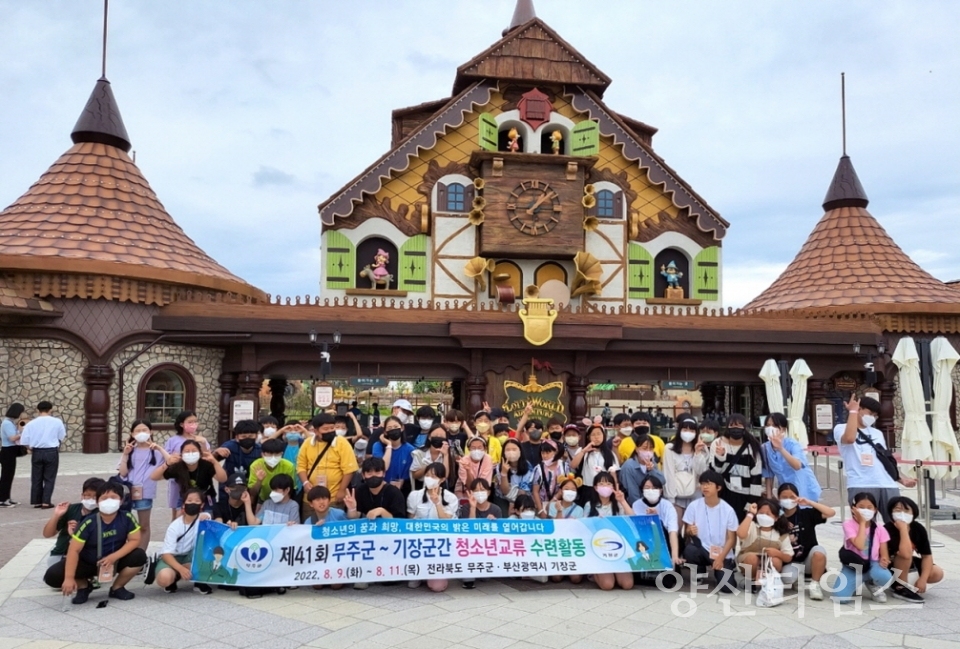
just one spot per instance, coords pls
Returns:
(36, 370)
(203, 363)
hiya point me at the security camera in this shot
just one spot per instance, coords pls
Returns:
(868, 367)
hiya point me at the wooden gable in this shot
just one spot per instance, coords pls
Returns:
(534, 54)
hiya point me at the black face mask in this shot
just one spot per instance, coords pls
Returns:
(642, 430)
(246, 443)
(535, 434)
(556, 436)
(236, 493)
(328, 437)
(736, 433)
(373, 481)
(437, 442)
(392, 435)
(191, 509)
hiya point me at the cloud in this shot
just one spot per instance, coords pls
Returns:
(744, 281)
(271, 176)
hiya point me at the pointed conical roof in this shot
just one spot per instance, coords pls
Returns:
(523, 14)
(100, 120)
(850, 261)
(93, 212)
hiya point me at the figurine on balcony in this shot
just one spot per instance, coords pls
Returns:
(513, 140)
(557, 137)
(672, 275)
(377, 272)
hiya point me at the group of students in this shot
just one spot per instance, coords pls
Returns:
(713, 491)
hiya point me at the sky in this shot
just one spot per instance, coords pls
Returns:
(246, 115)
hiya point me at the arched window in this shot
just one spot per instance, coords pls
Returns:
(606, 205)
(456, 198)
(514, 278)
(550, 270)
(164, 391)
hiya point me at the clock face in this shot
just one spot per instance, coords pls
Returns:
(534, 208)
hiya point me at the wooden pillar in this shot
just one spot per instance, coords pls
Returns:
(278, 404)
(578, 397)
(96, 405)
(228, 388)
(885, 422)
(816, 393)
(250, 384)
(476, 393)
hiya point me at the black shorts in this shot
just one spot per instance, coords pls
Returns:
(55, 574)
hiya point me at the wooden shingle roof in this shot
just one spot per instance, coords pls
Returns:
(849, 262)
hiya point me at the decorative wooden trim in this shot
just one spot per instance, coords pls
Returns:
(402, 217)
(373, 292)
(650, 229)
(933, 324)
(435, 172)
(673, 302)
(595, 175)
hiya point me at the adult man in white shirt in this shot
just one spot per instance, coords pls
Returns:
(43, 435)
(861, 467)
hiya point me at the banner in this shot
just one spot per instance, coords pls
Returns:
(545, 399)
(409, 549)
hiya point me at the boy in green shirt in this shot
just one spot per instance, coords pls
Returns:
(266, 467)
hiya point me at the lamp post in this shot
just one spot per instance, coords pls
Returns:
(325, 366)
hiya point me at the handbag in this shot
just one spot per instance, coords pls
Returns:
(771, 585)
(884, 455)
(22, 450)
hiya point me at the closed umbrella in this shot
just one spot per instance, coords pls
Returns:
(770, 373)
(916, 438)
(945, 448)
(800, 372)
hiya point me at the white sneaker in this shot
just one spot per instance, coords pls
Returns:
(414, 584)
(878, 595)
(361, 586)
(814, 591)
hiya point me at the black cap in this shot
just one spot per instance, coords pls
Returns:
(236, 480)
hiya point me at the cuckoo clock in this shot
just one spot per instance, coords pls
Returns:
(534, 107)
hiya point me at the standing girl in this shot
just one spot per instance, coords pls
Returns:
(10, 431)
(186, 428)
(475, 464)
(739, 459)
(684, 459)
(140, 458)
(596, 457)
(514, 476)
(547, 475)
(194, 468)
(785, 461)
(437, 449)
(606, 500)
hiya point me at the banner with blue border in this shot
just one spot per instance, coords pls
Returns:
(403, 549)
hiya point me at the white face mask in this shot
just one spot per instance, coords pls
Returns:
(341, 432)
(454, 427)
(272, 460)
(651, 495)
(866, 514)
(571, 440)
(788, 504)
(903, 517)
(191, 458)
(477, 454)
(402, 416)
(142, 438)
(480, 496)
(276, 496)
(109, 506)
(425, 424)
(868, 420)
(430, 482)
(688, 435)
(765, 520)
(89, 503)
(527, 515)
(267, 432)
(569, 495)
(626, 430)
(771, 431)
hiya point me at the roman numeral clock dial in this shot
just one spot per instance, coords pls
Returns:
(534, 208)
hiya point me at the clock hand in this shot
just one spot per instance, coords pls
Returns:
(538, 203)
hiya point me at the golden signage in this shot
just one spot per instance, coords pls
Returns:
(537, 317)
(545, 399)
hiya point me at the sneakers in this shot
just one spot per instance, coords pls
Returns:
(8, 503)
(878, 595)
(414, 584)
(151, 570)
(903, 593)
(82, 595)
(203, 589)
(172, 588)
(361, 586)
(814, 591)
(122, 594)
(469, 585)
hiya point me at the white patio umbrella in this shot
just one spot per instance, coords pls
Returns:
(770, 373)
(944, 444)
(800, 372)
(916, 438)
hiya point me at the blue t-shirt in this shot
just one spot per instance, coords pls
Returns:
(290, 454)
(776, 466)
(333, 515)
(114, 534)
(400, 461)
(8, 429)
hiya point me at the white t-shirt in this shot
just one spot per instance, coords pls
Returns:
(665, 510)
(179, 528)
(857, 473)
(712, 523)
(418, 507)
(593, 463)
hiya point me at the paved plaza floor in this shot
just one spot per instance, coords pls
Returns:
(498, 614)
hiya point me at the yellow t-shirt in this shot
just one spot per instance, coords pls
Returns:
(628, 447)
(339, 461)
(494, 449)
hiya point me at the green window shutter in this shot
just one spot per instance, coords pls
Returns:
(413, 264)
(340, 261)
(489, 136)
(706, 274)
(585, 139)
(640, 272)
